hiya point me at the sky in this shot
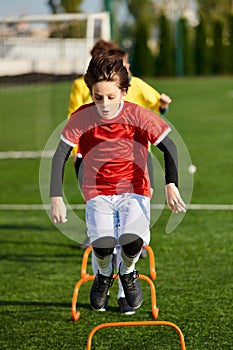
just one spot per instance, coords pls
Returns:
(39, 7)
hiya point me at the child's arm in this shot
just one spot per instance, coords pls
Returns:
(174, 200)
(58, 209)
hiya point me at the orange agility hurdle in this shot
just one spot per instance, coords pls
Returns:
(84, 262)
(89, 249)
(76, 314)
(135, 323)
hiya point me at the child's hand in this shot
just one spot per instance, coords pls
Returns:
(165, 100)
(174, 200)
(151, 192)
(58, 210)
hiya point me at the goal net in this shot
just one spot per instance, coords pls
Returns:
(50, 44)
(40, 56)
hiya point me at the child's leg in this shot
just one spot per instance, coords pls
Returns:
(134, 219)
(102, 251)
(101, 222)
(94, 263)
(103, 277)
(130, 254)
(121, 293)
(102, 226)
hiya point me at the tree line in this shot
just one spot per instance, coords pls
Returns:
(160, 46)
(180, 49)
(184, 50)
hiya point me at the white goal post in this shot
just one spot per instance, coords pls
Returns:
(26, 45)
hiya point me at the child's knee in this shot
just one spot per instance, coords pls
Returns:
(131, 244)
(104, 246)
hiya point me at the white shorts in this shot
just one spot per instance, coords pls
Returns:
(116, 215)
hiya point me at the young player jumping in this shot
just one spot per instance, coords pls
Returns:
(113, 136)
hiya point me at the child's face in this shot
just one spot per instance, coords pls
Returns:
(107, 97)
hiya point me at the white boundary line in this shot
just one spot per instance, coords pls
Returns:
(26, 154)
(82, 206)
(49, 154)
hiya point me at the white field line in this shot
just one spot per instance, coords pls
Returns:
(26, 154)
(82, 206)
(49, 154)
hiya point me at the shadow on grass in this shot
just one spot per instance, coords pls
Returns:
(73, 245)
(50, 311)
(33, 310)
(53, 304)
(40, 258)
(25, 226)
(34, 303)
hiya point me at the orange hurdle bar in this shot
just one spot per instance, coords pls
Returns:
(84, 262)
(89, 249)
(76, 314)
(136, 323)
(152, 261)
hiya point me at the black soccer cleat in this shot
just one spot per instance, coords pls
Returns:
(132, 289)
(124, 307)
(99, 291)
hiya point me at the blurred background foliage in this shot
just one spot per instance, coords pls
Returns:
(167, 37)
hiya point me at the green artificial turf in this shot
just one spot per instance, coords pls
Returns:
(40, 266)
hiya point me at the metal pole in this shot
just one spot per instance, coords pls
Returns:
(108, 5)
(179, 47)
(175, 13)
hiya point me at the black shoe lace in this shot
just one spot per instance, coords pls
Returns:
(131, 281)
(102, 284)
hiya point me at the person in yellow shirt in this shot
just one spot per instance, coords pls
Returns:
(140, 93)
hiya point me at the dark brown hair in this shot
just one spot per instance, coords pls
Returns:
(117, 53)
(103, 45)
(105, 67)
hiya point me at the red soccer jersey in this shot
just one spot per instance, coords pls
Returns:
(114, 150)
